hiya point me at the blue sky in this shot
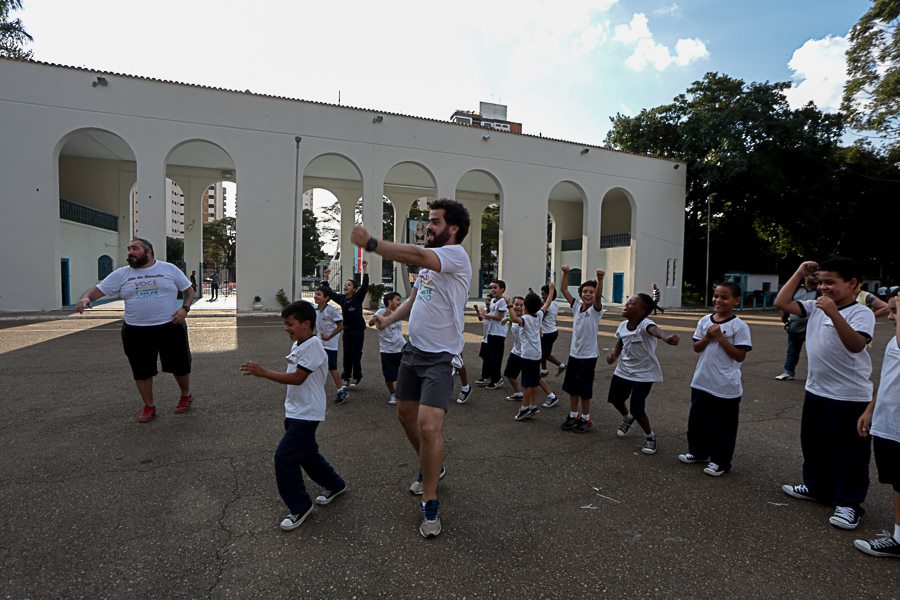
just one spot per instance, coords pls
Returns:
(563, 67)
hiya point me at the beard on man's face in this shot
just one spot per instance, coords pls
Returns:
(137, 263)
(438, 240)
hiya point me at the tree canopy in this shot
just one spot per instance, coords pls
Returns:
(13, 36)
(872, 93)
(779, 184)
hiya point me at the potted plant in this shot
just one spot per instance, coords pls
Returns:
(376, 293)
(257, 303)
(282, 298)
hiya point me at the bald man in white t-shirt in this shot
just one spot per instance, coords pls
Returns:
(435, 311)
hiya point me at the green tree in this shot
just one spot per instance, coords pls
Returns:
(219, 239)
(490, 240)
(312, 243)
(13, 36)
(872, 93)
(771, 168)
(174, 250)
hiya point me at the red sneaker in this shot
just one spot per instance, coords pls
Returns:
(184, 404)
(147, 415)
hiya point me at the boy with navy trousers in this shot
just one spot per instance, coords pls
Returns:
(838, 389)
(304, 408)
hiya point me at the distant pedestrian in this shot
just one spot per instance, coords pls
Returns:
(214, 283)
(795, 325)
(193, 279)
(656, 295)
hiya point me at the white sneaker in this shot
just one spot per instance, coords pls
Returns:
(784, 377)
(392, 399)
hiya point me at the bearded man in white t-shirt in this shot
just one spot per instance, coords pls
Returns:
(154, 321)
(435, 311)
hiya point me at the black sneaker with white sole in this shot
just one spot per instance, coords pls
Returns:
(482, 381)
(846, 517)
(328, 495)
(295, 520)
(569, 423)
(495, 384)
(714, 470)
(799, 491)
(885, 546)
(689, 459)
(551, 401)
(524, 413)
(463, 395)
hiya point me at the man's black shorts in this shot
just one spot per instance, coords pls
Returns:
(168, 341)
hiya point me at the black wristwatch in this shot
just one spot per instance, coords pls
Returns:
(371, 245)
(186, 309)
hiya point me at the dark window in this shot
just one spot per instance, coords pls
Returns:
(104, 266)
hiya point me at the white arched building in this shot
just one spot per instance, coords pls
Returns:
(78, 143)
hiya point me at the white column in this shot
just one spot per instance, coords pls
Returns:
(152, 214)
(347, 200)
(522, 251)
(590, 246)
(373, 219)
(474, 247)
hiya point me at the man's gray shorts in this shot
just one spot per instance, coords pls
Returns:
(426, 377)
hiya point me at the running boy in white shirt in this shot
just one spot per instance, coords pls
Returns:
(835, 457)
(723, 340)
(329, 326)
(881, 420)
(587, 310)
(304, 409)
(638, 367)
(514, 361)
(390, 343)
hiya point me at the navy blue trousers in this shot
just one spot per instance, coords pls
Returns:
(835, 457)
(298, 450)
(713, 426)
(353, 351)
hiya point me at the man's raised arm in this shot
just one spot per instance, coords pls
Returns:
(408, 254)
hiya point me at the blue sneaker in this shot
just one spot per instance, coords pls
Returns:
(431, 522)
(341, 395)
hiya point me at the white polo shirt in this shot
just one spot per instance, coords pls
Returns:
(515, 332)
(437, 318)
(717, 373)
(307, 400)
(585, 328)
(531, 336)
(548, 325)
(886, 420)
(498, 307)
(326, 322)
(390, 339)
(833, 371)
(150, 294)
(638, 361)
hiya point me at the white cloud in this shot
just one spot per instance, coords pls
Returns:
(668, 11)
(649, 52)
(819, 73)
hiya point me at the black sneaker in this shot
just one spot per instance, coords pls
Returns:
(569, 423)
(495, 384)
(533, 410)
(800, 491)
(517, 396)
(689, 459)
(583, 425)
(482, 381)
(328, 495)
(846, 517)
(559, 371)
(551, 401)
(524, 413)
(295, 520)
(885, 546)
(624, 426)
(649, 445)
(463, 395)
(355, 382)
(714, 470)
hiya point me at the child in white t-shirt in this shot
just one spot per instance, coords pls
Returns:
(723, 340)
(390, 343)
(496, 327)
(587, 310)
(527, 316)
(638, 367)
(304, 409)
(838, 389)
(881, 420)
(550, 330)
(329, 326)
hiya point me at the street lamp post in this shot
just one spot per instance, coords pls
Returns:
(297, 140)
(706, 287)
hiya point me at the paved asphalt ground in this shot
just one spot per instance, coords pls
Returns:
(95, 505)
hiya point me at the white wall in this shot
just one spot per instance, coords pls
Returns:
(83, 245)
(43, 104)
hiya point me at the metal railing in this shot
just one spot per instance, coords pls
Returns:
(78, 213)
(615, 240)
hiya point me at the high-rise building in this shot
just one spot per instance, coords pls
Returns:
(307, 200)
(214, 203)
(174, 211)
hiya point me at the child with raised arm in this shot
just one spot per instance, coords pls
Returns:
(723, 340)
(390, 343)
(351, 302)
(514, 361)
(838, 389)
(549, 330)
(638, 367)
(881, 420)
(587, 310)
(495, 317)
(329, 326)
(528, 318)
(304, 409)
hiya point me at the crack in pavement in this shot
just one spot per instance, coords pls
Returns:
(220, 557)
